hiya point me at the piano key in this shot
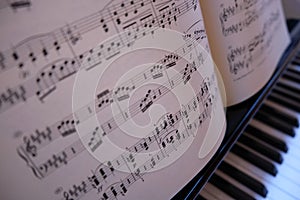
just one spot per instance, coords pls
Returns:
(273, 141)
(281, 115)
(215, 193)
(254, 159)
(291, 76)
(289, 85)
(207, 195)
(292, 158)
(261, 148)
(278, 187)
(284, 109)
(279, 124)
(243, 178)
(230, 189)
(296, 61)
(284, 169)
(284, 101)
(286, 93)
(236, 184)
(290, 173)
(294, 69)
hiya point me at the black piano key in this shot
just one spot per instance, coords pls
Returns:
(228, 188)
(289, 87)
(278, 187)
(282, 91)
(285, 102)
(291, 76)
(243, 178)
(294, 70)
(296, 61)
(273, 122)
(199, 197)
(255, 159)
(273, 141)
(281, 115)
(261, 148)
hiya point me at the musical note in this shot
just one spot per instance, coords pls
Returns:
(95, 140)
(156, 71)
(188, 70)
(122, 93)
(148, 100)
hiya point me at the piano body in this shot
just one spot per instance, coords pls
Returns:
(260, 155)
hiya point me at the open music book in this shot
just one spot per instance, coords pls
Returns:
(124, 99)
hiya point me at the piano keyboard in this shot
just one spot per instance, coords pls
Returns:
(265, 161)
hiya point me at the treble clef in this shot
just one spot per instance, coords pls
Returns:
(30, 148)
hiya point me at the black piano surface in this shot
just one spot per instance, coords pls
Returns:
(238, 117)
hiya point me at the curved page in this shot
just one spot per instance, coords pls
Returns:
(105, 99)
(247, 39)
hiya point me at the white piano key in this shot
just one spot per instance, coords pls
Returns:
(292, 157)
(217, 193)
(278, 187)
(285, 169)
(295, 67)
(207, 195)
(290, 173)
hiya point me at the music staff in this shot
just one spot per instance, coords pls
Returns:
(70, 152)
(235, 9)
(47, 80)
(241, 57)
(96, 181)
(66, 126)
(249, 18)
(44, 45)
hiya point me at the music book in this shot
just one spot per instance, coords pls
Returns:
(124, 99)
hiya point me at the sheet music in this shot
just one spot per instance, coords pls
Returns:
(247, 39)
(105, 99)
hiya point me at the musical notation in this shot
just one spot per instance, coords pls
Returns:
(66, 126)
(249, 13)
(241, 57)
(168, 140)
(126, 17)
(47, 79)
(91, 141)
(62, 158)
(235, 8)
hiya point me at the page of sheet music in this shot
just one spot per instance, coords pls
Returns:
(105, 99)
(247, 39)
